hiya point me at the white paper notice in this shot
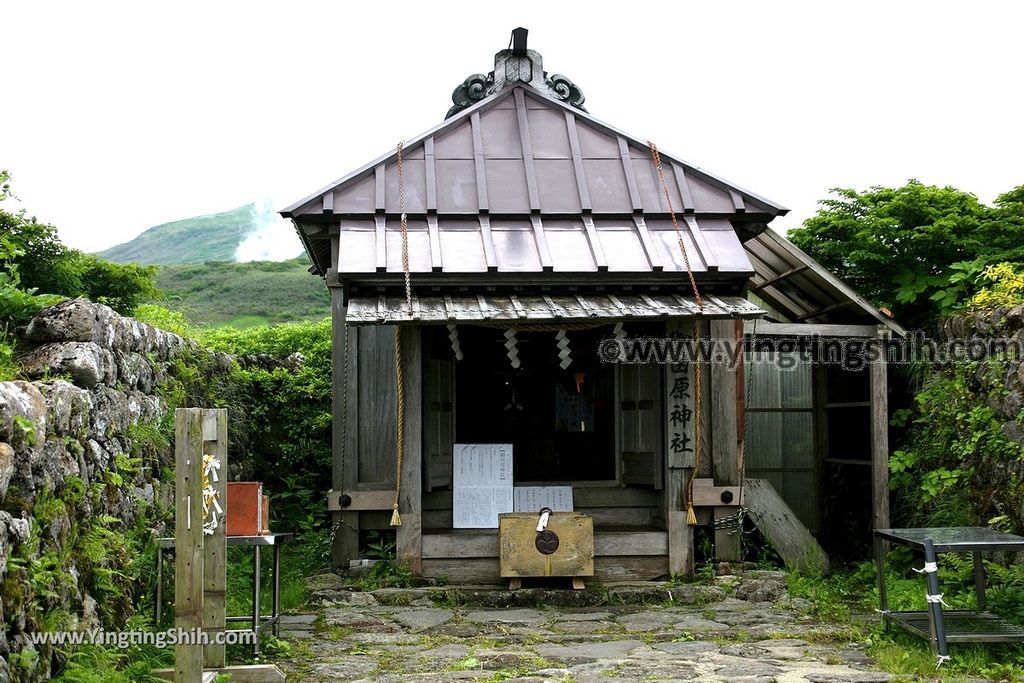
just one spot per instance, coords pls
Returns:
(482, 484)
(533, 498)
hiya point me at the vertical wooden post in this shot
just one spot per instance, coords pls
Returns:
(879, 441)
(343, 474)
(215, 437)
(408, 537)
(705, 469)
(677, 474)
(820, 422)
(724, 443)
(188, 540)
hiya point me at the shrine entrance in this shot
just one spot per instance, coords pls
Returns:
(557, 413)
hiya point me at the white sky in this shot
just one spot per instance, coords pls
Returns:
(120, 116)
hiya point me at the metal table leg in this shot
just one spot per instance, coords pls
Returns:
(159, 585)
(256, 599)
(979, 581)
(275, 608)
(883, 598)
(935, 620)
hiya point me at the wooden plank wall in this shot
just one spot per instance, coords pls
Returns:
(609, 506)
(375, 400)
(471, 555)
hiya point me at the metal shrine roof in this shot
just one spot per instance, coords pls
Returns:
(534, 244)
(523, 182)
(521, 186)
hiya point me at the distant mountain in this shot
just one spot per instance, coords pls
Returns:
(249, 232)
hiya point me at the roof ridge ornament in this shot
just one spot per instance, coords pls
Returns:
(514, 66)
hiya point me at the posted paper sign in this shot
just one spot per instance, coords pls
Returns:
(482, 484)
(533, 498)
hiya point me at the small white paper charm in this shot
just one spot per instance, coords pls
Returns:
(564, 353)
(511, 343)
(453, 336)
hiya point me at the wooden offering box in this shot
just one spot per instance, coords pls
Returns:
(245, 509)
(520, 557)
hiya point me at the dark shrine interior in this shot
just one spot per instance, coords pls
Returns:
(561, 422)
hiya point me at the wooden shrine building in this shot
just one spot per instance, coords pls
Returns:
(535, 234)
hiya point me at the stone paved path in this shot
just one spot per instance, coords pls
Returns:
(711, 638)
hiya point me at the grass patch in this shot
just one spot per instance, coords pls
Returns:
(224, 294)
(301, 558)
(843, 597)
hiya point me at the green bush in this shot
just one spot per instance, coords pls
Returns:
(287, 416)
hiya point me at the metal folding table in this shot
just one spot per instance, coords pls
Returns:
(940, 626)
(257, 622)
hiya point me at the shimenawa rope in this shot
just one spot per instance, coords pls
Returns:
(396, 519)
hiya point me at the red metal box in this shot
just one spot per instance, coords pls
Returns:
(245, 508)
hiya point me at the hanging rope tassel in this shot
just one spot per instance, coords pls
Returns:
(691, 516)
(698, 438)
(396, 519)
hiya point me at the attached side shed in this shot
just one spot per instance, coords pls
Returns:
(530, 222)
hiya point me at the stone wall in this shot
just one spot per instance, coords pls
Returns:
(76, 433)
(1000, 385)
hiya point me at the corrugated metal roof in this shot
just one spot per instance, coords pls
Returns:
(540, 308)
(535, 244)
(794, 283)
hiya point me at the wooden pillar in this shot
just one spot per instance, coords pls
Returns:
(343, 475)
(409, 539)
(879, 441)
(188, 539)
(724, 443)
(678, 467)
(215, 551)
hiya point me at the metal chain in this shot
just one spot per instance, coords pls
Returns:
(698, 423)
(404, 224)
(339, 521)
(698, 441)
(675, 223)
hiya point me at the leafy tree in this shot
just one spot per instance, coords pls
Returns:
(35, 256)
(918, 249)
